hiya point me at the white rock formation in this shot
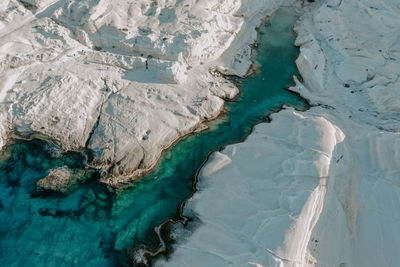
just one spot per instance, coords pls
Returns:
(123, 78)
(349, 58)
(246, 207)
(328, 194)
(358, 41)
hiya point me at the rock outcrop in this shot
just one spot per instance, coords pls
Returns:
(249, 193)
(339, 205)
(60, 180)
(124, 79)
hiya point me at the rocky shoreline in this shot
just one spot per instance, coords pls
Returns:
(126, 80)
(337, 207)
(89, 76)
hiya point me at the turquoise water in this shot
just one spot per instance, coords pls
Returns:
(92, 226)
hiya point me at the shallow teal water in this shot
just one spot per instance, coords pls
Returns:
(94, 227)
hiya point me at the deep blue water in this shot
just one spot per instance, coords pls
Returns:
(93, 226)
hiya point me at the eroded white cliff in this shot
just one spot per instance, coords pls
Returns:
(246, 207)
(357, 43)
(276, 205)
(124, 79)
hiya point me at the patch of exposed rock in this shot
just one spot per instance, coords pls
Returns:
(61, 180)
(125, 79)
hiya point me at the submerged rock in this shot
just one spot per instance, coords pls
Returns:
(60, 180)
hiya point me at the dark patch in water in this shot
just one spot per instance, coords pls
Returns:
(72, 214)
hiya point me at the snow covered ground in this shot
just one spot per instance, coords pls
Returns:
(314, 188)
(125, 79)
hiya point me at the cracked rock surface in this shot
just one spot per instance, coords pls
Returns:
(125, 79)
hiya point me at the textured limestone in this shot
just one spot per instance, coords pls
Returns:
(124, 78)
(59, 180)
(69, 67)
(249, 194)
(348, 214)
